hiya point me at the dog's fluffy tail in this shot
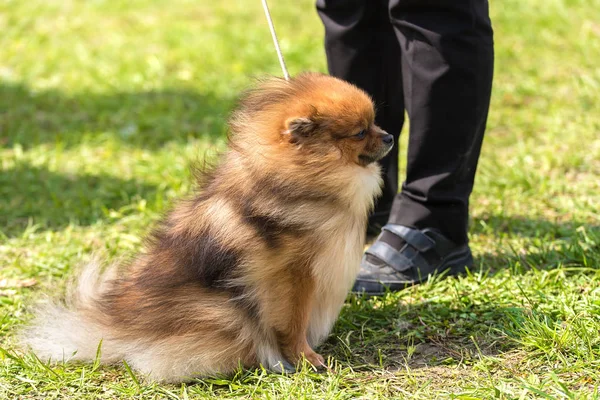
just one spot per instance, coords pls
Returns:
(198, 332)
(67, 331)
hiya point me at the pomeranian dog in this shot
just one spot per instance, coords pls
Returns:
(254, 268)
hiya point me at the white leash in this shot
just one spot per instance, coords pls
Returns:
(275, 41)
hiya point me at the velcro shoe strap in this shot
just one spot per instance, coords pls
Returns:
(415, 238)
(390, 256)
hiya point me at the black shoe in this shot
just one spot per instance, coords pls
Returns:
(419, 254)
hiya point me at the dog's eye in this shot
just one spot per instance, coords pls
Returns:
(361, 134)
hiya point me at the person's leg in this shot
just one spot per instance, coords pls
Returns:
(447, 67)
(362, 48)
(447, 57)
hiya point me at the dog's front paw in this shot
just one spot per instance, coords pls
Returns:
(315, 359)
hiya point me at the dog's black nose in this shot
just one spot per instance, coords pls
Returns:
(388, 139)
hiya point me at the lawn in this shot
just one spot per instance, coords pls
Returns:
(105, 105)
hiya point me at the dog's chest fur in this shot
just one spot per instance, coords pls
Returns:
(336, 266)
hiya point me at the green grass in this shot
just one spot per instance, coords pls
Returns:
(104, 105)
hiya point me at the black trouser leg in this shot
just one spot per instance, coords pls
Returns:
(441, 63)
(362, 48)
(447, 67)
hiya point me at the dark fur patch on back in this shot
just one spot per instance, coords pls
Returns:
(290, 193)
(201, 257)
(269, 227)
(210, 261)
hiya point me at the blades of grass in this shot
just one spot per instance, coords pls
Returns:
(565, 390)
(45, 366)
(164, 390)
(539, 392)
(183, 392)
(6, 353)
(82, 379)
(96, 363)
(131, 374)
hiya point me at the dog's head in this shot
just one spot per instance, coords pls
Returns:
(315, 116)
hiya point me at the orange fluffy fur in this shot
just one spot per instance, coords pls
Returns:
(255, 267)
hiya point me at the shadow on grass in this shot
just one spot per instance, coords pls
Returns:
(458, 321)
(392, 334)
(146, 119)
(54, 200)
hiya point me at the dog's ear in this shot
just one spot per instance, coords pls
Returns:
(300, 128)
